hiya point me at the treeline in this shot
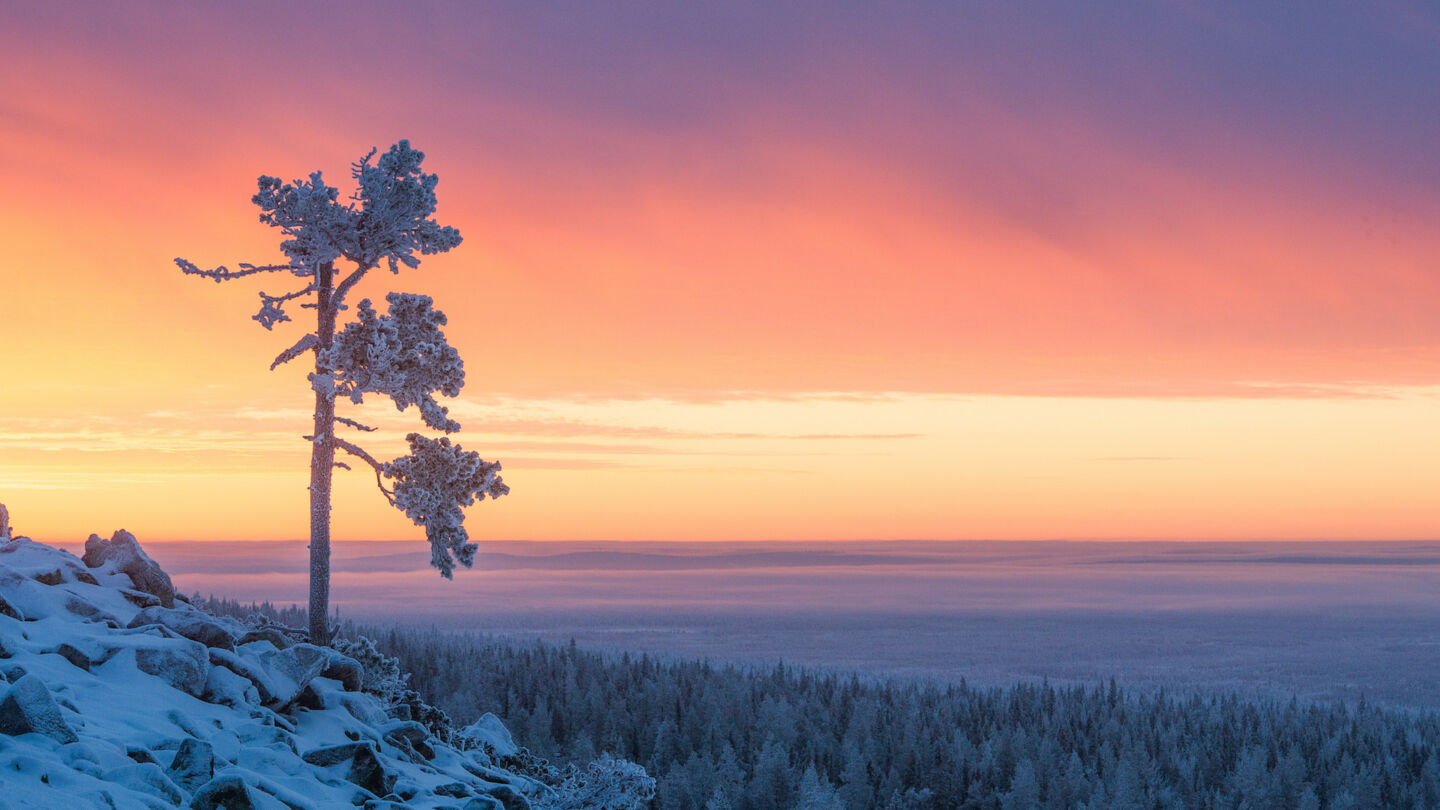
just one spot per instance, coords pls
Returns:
(722, 737)
(727, 738)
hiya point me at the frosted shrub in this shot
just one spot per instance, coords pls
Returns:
(605, 784)
(383, 677)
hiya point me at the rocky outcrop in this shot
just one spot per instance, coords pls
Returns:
(117, 693)
(122, 554)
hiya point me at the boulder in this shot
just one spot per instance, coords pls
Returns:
(258, 676)
(227, 792)
(408, 730)
(484, 803)
(193, 624)
(292, 669)
(338, 666)
(122, 554)
(369, 772)
(490, 731)
(366, 769)
(73, 654)
(86, 610)
(139, 599)
(85, 653)
(410, 737)
(334, 754)
(146, 777)
(270, 634)
(29, 708)
(509, 798)
(181, 663)
(194, 764)
(225, 687)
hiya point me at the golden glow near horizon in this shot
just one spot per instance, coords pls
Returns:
(805, 467)
(834, 295)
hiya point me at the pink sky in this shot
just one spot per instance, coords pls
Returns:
(1203, 242)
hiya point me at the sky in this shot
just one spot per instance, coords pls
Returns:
(1162, 270)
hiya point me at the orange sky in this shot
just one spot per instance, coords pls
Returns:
(751, 273)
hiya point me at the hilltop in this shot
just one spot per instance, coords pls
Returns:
(119, 693)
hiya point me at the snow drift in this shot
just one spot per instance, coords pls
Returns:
(117, 693)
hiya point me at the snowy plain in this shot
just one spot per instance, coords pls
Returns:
(1328, 620)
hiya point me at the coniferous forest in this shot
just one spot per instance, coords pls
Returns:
(720, 737)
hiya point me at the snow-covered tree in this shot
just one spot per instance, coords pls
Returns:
(330, 246)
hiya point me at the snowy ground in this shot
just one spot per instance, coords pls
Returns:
(117, 693)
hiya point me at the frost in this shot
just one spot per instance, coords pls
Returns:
(605, 784)
(432, 483)
(396, 200)
(402, 355)
(97, 716)
(301, 346)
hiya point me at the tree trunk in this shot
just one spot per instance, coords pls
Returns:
(322, 462)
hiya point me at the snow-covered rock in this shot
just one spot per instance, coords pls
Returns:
(488, 730)
(28, 708)
(192, 623)
(122, 554)
(120, 694)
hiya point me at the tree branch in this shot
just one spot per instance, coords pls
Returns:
(223, 273)
(350, 281)
(301, 346)
(272, 307)
(352, 423)
(368, 459)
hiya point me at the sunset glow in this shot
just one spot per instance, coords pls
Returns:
(933, 272)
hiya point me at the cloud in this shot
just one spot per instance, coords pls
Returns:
(1139, 458)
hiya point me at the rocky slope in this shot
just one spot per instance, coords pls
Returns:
(117, 693)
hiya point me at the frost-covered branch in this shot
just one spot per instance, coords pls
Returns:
(396, 200)
(272, 307)
(308, 213)
(301, 346)
(402, 354)
(358, 452)
(432, 484)
(352, 423)
(223, 273)
(344, 287)
(380, 469)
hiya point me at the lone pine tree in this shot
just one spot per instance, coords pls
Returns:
(401, 353)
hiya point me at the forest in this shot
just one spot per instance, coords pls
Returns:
(720, 736)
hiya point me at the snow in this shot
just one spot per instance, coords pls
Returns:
(106, 714)
(490, 731)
